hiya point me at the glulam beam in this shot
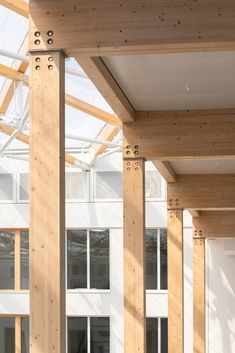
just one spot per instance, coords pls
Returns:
(104, 81)
(166, 170)
(19, 6)
(196, 134)
(202, 191)
(47, 203)
(215, 224)
(114, 28)
(134, 256)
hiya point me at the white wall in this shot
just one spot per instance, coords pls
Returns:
(220, 297)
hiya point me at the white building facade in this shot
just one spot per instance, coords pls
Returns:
(94, 260)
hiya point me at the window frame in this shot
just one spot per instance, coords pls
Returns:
(88, 289)
(158, 290)
(17, 260)
(14, 191)
(163, 187)
(87, 186)
(89, 317)
(93, 197)
(18, 326)
(87, 189)
(159, 320)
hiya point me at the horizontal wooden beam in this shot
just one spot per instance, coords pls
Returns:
(132, 27)
(19, 6)
(202, 191)
(215, 224)
(169, 135)
(166, 170)
(99, 74)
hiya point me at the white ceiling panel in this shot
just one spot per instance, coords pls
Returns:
(176, 81)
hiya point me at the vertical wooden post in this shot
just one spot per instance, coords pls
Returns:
(18, 334)
(134, 255)
(17, 261)
(199, 304)
(175, 282)
(47, 203)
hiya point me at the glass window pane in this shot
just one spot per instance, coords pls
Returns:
(7, 335)
(163, 258)
(151, 258)
(108, 185)
(152, 335)
(153, 184)
(77, 259)
(100, 335)
(6, 187)
(25, 335)
(99, 259)
(164, 335)
(24, 186)
(7, 260)
(75, 186)
(24, 249)
(77, 335)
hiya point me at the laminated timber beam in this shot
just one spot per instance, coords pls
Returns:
(170, 135)
(202, 191)
(47, 203)
(132, 27)
(134, 256)
(215, 224)
(19, 6)
(99, 74)
(175, 281)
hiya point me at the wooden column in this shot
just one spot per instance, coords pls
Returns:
(134, 256)
(47, 203)
(199, 303)
(175, 282)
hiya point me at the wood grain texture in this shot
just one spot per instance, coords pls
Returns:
(199, 301)
(215, 224)
(100, 75)
(202, 191)
(111, 27)
(175, 281)
(166, 170)
(47, 204)
(19, 6)
(169, 135)
(134, 256)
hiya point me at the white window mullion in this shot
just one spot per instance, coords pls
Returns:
(88, 260)
(158, 260)
(159, 335)
(88, 334)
